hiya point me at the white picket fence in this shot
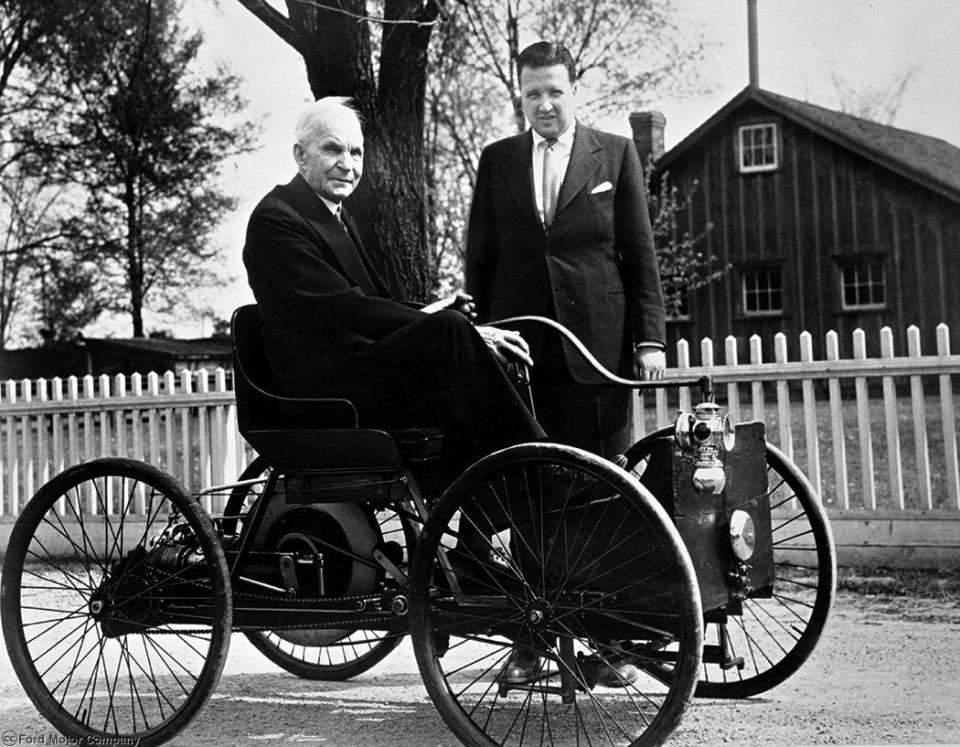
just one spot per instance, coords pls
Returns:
(875, 434)
(183, 424)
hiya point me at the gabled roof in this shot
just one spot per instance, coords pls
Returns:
(932, 162)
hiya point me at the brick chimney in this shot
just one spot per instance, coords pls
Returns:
(648, 134)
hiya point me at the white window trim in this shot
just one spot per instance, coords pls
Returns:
(862, 306)
(743, 294)
(776, 148)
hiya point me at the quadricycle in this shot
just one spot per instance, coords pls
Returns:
(703, 558)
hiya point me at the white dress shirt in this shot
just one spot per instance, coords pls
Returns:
(333, 207)
(561, 151)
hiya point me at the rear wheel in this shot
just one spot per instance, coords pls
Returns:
(776, 634)
(582, 570)
(116, 603)
(321, 654)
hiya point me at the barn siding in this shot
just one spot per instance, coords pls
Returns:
(824, 202)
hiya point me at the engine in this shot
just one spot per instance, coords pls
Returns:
(319, 549)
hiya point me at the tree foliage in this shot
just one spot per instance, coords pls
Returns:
(685, 266)
(136, 139)
(879, 103)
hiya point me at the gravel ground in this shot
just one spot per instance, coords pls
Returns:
(886, 673)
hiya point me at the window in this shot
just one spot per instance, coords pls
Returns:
(863, 285)
(759, 148)
(763, 291)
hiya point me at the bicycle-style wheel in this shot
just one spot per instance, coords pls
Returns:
(774, 634)
(581, 570)
(116, 603)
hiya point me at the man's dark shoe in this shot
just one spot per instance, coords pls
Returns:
(619, 674)
(522, 668)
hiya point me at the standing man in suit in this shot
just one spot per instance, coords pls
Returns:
(331, 327)
(559, 228)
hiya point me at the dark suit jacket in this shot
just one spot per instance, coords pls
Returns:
(318, 294)
(596, 272)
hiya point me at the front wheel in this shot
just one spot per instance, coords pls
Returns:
(581, 570)
(116, 603)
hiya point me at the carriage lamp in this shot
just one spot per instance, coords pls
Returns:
(708, 435)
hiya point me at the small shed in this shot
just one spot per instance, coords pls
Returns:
(143, 355)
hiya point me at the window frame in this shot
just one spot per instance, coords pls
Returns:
(767, 268)
(847, 263)
(741, 150)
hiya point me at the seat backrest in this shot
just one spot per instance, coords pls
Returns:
(259, 408)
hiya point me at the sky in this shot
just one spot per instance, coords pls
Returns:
(868, 43)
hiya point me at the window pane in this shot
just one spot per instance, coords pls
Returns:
(762, 291)
(758, 147)
(863, 284)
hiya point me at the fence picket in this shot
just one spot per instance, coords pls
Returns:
(73, 435)
(733, 388)
(756, 387)
(169, 383)
(202, 431)
(892, 423)
(153, 425)
(836, 427)
(869, 498)
(921, 447)
(13, 464)
(186, 386)
(136, 422)
(811, 437)
(26, 443)
(683, 361)
(948, 414)
(783, 398)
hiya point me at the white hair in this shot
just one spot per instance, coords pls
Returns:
(320, 114)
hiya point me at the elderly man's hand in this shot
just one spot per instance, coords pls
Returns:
(461, 302)
(651, 362)
(506, 344)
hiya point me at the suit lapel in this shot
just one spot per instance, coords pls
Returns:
(585, 159)
(377, 280)
(519, 177)
(346, 253)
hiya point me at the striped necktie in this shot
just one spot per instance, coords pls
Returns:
(551, 181)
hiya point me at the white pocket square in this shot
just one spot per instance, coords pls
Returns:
(604, 187)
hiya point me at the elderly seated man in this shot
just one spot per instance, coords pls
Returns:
(331, 327)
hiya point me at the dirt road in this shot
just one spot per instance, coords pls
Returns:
(887, 673)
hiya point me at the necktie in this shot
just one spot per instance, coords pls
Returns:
(551, 181)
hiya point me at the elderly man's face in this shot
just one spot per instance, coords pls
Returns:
(331, 161)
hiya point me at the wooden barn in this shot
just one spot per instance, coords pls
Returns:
(827, 222)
